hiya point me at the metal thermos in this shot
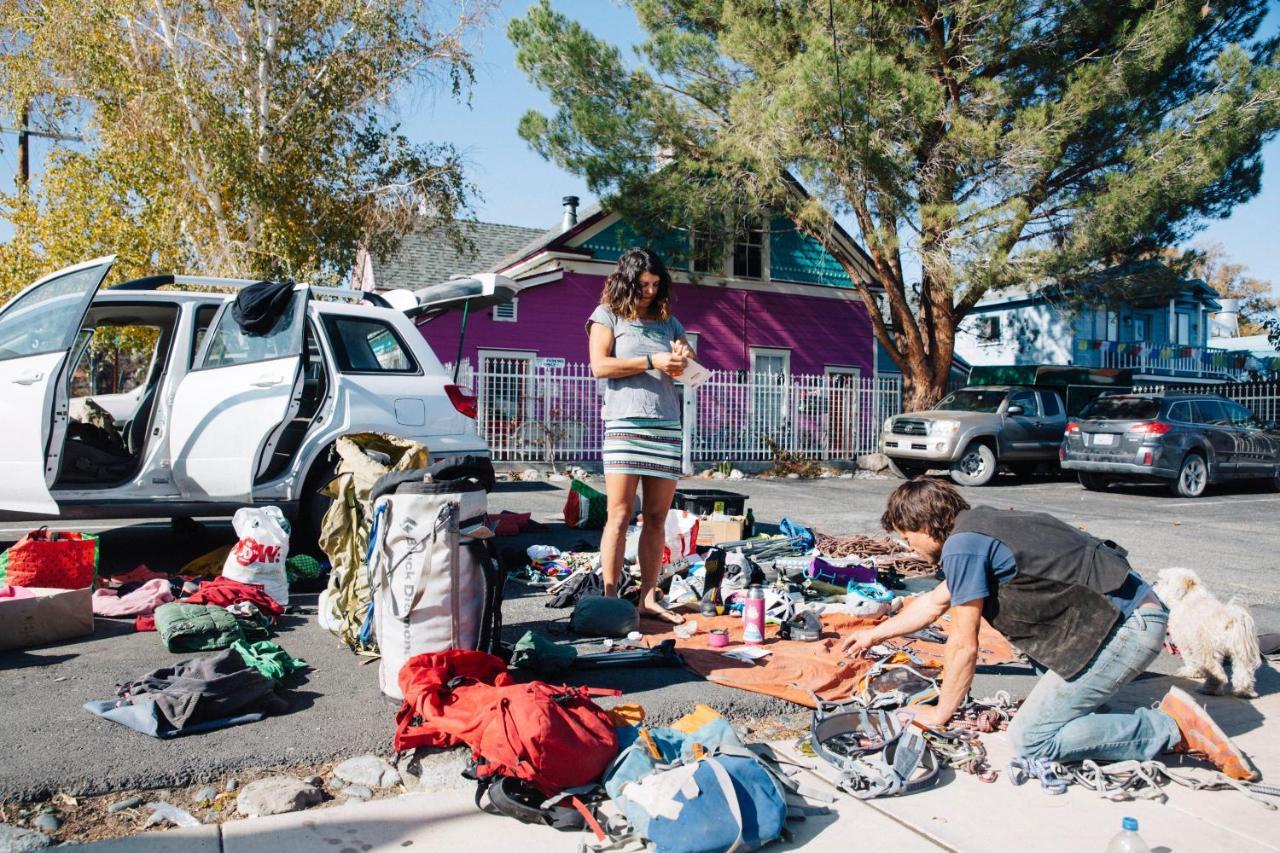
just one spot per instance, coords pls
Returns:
(753, 615)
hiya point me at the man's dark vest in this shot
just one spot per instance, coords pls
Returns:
(1055, 609)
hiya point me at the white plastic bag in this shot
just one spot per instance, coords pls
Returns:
(681, 535)
(260, 554)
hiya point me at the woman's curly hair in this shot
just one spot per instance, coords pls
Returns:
(622, 290)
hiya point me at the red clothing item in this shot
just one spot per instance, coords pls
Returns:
(225, 592)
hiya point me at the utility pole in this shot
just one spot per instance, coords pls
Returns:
(24, 133)
(24, 149)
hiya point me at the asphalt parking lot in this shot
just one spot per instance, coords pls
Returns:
(51, 743)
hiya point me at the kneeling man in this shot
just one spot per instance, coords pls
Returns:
(1071, 603)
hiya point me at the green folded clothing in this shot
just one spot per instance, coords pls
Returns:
(269, 659)
(185, 627)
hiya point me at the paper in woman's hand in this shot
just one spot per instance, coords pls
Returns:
(694, 374)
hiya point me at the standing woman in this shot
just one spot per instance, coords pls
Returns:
(638, 347)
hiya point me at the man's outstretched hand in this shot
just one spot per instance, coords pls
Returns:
(859, 641)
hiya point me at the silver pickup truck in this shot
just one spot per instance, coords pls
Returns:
(974, 430)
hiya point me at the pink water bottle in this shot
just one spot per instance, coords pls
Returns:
(753, 615)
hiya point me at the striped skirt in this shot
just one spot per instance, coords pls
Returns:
(646, 447)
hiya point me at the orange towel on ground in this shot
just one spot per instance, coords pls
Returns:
(793, 668)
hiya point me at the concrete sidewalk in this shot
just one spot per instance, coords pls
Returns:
(961, 813)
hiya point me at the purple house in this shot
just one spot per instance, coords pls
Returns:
(773, 305)
(774, 302)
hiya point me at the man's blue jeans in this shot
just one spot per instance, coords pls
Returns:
(1057, 720)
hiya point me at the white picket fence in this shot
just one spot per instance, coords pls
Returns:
(532, 412)
(1262, 398)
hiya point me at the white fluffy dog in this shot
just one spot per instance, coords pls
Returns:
(1206, 632)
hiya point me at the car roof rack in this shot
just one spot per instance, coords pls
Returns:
(155, 282)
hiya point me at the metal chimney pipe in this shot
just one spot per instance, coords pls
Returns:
(570, 203)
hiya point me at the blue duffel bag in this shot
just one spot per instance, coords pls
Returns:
(706, 794)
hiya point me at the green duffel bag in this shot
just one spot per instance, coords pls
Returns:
(597, 616)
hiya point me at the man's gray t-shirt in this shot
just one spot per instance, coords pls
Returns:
(651, 394)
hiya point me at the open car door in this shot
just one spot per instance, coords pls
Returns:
(38, 328)
(241, 388)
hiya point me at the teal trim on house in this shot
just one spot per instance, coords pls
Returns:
(794, 256)
(609, 243)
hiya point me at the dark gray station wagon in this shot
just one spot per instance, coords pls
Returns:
(1188, 440)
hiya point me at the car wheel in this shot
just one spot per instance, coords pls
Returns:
(976, 467)
(1193, 477)
(1092, 482)
(906, 470)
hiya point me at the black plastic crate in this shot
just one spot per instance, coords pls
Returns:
(703, 501)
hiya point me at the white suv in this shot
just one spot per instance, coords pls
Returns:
(142, 402)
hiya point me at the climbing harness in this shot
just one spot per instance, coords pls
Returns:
(877, 755)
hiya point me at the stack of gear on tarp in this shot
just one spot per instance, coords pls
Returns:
(343, 608)
(433, 573)
(229, 688)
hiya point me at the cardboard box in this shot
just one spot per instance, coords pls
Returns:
(46, 616)
(713, 532)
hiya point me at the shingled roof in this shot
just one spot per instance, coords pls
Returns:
(427, 256)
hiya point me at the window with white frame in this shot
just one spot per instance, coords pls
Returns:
(770, 369)
(706, 252)
(989, 329)
(505, 312)
(1184, 330)
(748, 250)
(1106, 325)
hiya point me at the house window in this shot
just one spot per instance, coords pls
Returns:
(505, 313)
(769, 371)
(748, 251)
(989, 329)
(1106, 325)
(706, 253)
(1184, 330)
(1140, 329)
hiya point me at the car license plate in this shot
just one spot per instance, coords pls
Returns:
(1101, 439)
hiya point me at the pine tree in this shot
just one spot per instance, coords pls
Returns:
(978, 145)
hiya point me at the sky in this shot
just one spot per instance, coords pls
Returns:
(517, 187)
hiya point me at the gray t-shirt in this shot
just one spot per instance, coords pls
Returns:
(651, 394)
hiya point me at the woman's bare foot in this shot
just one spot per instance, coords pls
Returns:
(649, 607)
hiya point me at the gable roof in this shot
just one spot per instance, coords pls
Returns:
(426, 256)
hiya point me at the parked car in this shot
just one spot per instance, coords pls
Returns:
(974, 430)
(137, 401)
(1187, 440)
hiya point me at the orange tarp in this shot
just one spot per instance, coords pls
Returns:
(794, 667)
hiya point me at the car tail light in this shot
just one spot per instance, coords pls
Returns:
(1146, 457)
(1062, 454)
(1151, 428)
(1072, 427)
(462, 401)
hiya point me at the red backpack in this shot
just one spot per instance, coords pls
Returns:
(553, 737)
